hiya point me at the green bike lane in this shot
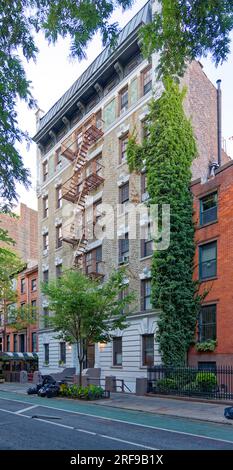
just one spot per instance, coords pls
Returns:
(163, 422)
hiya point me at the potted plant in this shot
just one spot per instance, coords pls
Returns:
(46, 363)
(208, 345)
(61, 363)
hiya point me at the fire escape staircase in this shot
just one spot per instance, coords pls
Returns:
(81, 183)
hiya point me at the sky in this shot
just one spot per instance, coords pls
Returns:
(53, 73)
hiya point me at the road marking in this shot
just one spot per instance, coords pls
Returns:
(26, 409)
(200, 436)
(84, 431)
(127, 442)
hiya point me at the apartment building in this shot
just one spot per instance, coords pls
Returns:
(82, 168)
(213, 268)
(23, 229)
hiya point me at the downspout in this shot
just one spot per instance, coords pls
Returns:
(219, 121)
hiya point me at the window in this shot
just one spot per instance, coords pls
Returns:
(98, 119)
(45, 207)
(1, 348)
(59, 236)
(58, 271)
(8, 346)
(58, 197)
(96, 211)
(63, 352)
(46, 275)
(46, 317)
(145, 130)
(147, 243)
(46, 353)
(123, 100)
(45, 241)
(146, 294)
(208, 208)
(117, 351)
(207, 323)
(45, 170)
(33, 285)
(124, 249)
(124, 193)
(23, 286)
(33, 303)
(147, 80)
(58, 157)
(34, 342)
(15, 339)
(208, 260)
(94, 260)
(144, 191)
(21, 343)
(147, 350)
(123, 147)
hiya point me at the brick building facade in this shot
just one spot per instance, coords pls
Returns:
(214, 265)
(94, 118)
(25, 340)
(24, 231)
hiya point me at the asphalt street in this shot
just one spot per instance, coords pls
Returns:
(38, 424)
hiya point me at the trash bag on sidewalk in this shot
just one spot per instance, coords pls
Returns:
(228, 412)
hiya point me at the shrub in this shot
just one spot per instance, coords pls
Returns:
(207, 381)
(164, 385)
(91, 392)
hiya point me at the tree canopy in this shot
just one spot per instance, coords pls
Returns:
(86, 311)
(181, 31)
(184, 30)
(19, 21)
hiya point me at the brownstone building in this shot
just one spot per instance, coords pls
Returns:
(214, 267)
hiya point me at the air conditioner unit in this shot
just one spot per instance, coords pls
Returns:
(123, 259)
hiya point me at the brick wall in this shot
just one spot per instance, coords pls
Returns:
(220, 289)
(23, 230)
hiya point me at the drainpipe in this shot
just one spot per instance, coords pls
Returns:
(219, 120)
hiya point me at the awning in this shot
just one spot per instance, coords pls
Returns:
(18, 355)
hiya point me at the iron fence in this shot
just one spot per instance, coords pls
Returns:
(214, 382)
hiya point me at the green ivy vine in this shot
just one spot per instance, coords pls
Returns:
(168, 154)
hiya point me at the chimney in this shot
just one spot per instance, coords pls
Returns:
(219, 120)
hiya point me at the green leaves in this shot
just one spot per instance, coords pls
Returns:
(19, 19)
(168, 153)
(185, 30)
(84, 309)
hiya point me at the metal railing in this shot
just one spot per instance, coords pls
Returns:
(102, 382)
(206, 382)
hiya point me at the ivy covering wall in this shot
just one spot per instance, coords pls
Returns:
(168, 154)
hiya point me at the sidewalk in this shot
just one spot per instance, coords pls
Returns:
(212, 412)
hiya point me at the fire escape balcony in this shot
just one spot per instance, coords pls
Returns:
(74, 234)
(94, 269)
(77, 144)
(82, 182)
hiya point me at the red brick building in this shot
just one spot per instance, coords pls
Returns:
(24, 231)
(214, 266)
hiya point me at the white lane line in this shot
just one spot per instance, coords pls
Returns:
(13, 413)
(54, 424)
(87, 432)
(26, 409)
(200, 436)
(127, 442)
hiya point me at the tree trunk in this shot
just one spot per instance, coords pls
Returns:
(80, 360)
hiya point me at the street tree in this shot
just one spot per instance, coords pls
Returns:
(19, 21)
(184, 30)
(86, 311)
